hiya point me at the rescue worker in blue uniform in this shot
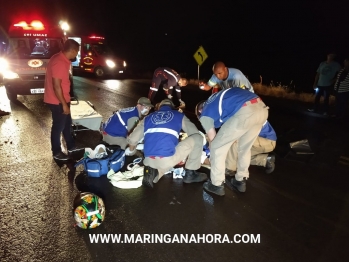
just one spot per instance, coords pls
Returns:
(240, 115)
(224, 78)
(162, 149)
(122, 122)
(260, 152)
(167, 78)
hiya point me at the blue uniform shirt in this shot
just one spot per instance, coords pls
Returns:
(268, 132)
(224, 104)
(161, 132)
(116, 125)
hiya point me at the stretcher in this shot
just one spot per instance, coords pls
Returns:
(84, 116)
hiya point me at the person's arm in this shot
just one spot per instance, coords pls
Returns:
(204, 86)
(57, 88)
(132, 123)
(213, 82)
(208, 125)
(152, 93)
(188, 126)
(136, 136)
(211, 134)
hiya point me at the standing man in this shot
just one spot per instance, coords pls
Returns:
(342, 90)
(57, 98)
(224, 78)
(260, 152)
(240, 116)
(167, 78)
(324, 80)
(162, 149)
(122, 122)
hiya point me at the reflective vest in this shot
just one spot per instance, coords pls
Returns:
(116, 125)
(161, 132)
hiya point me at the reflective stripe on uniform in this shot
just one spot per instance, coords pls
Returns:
(162, 130)
(220, 105)
(170, 73)
(120, 119)
(154, 89)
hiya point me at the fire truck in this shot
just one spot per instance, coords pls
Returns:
(30, 46)
(96, 57)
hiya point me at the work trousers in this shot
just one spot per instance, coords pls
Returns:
(190, 147)
(115, 140)
(259, 153)
(243, 127)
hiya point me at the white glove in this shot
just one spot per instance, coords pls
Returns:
(128, 152)
(140, 147)
(203, 157)
(169, 96)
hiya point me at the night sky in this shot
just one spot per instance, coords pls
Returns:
(281, 40)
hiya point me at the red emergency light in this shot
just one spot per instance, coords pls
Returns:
(96, 37)
(34, 25)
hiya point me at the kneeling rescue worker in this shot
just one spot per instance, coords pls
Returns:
(162, 149)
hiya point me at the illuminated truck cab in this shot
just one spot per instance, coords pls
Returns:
(30, 46)
(96, 57)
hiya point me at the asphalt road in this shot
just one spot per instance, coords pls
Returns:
(298, 213)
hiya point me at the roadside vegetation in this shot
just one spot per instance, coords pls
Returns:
(280, 91)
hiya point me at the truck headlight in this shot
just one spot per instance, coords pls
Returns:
(124, 64)
(10, 75)
(3, 65)
(110, 63)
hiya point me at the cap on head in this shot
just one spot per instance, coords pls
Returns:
(199, 107)
(167, 102)
(144, 102)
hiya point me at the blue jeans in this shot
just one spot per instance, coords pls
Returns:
(61, 123)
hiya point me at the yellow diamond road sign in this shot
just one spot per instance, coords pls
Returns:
(200, 56)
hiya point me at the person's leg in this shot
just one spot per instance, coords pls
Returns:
(231, 160)
(190, 147)
(341, 103)
(69, 140)
(193, 149)
(260, 149)
(113, 140)
(327, 91)
(318, 94)
(252, 125)
(58, 124)
(226, 136)
(338, 105)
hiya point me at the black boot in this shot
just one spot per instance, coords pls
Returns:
(239, 185)
(270, 165)
(218, 190)
(192, 176)
(149, 174)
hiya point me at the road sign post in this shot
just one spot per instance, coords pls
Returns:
(200, 56)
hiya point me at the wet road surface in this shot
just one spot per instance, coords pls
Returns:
(300, 212)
